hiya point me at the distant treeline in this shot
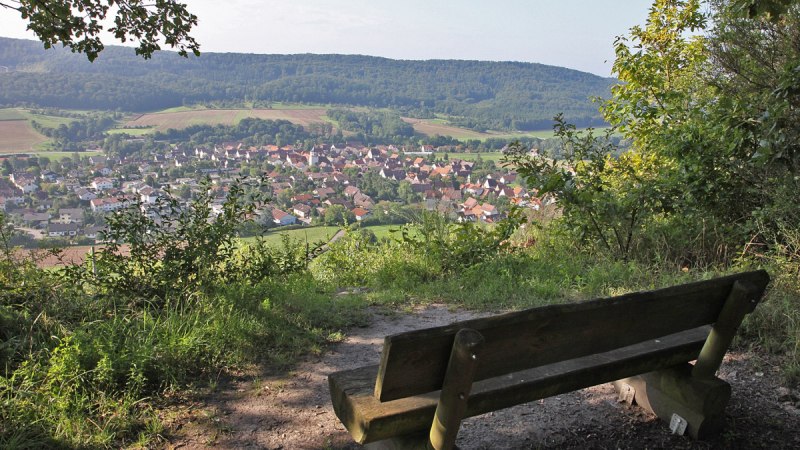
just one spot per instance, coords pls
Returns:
(484, 95)
(376, 126)
(250, 131)
(85, 129)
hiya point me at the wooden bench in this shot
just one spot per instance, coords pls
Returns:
(429, 380)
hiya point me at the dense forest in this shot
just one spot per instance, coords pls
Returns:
(480, 95)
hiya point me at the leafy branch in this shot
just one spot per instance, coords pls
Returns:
(77, 24)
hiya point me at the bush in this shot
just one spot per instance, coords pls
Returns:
(430, 247)
(85, 363)
(172, 250)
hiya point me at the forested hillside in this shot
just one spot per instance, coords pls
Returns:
(482, 95)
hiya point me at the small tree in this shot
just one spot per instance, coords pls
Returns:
(605, 200)
(338, 215)
(169, 249)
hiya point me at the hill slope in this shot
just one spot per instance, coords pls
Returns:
(497, 95)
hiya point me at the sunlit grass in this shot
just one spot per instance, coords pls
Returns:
(311, 235)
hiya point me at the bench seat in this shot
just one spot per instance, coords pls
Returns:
(368, 420)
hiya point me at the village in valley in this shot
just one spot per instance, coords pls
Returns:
(64, 200)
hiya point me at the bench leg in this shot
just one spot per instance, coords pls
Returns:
(741, 300)
(693, 393)
(452, 405)
(674, 395)
(456, 387)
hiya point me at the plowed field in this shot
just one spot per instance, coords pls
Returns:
(18, 136)
(183, 119)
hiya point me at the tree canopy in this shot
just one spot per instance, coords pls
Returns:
(77, 24)
(713, 122)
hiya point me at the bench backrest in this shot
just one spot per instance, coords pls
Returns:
(414, 362)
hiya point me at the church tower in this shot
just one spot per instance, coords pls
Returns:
(313, 158)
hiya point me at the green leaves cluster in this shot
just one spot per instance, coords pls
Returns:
(658, 68)
(379, 126)
(605, 199)
(429, 247)
(78, 24)
(86, 354)
(713, 124)
(170, 250)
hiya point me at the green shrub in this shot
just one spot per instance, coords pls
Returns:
(259, 260)
(172, 249)
(86, 357)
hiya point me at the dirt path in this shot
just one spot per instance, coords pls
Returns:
(325, 247)
(294, 412)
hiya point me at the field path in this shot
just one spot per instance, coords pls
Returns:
(294, 412)
(325, 247)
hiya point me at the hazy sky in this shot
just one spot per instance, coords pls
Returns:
(578, 34)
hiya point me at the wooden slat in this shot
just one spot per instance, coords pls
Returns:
(414, 363)
(369, 420)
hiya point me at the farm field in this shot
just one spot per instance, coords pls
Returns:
(130, 131)
(74, 255)
(11, 114)
(163, 121)
(57, 156)
(16, 133)
(18, 136)
(183, 116)
(78, 254)
(439, 126)
(384, 231)
(431, 127)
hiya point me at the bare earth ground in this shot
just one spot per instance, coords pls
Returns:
(294, 412)
(183, 119)
(432, 128)
(66, 256)
(18, 136)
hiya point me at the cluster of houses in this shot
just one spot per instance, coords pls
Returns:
(313, 180)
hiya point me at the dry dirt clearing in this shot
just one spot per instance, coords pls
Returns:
(183, 119)
(293, 411)
(18, 136)
(430, 128)
(66, 256)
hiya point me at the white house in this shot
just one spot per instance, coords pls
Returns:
(108, 204)
(62, 229)
(25, 184)
(148, 195)
(360, 213)
(283, 218)
(70, 215)
(85, 194)
(102, 184)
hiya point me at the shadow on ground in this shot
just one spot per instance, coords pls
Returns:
(293, 411)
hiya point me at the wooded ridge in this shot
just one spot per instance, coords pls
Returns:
(478, 94)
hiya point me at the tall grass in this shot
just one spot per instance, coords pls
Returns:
(775, 324)
(554, 270)
(92, 376)
(81, 369)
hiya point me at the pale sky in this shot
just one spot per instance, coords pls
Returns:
(578, 34)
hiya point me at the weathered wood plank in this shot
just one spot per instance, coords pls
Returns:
(414, 362)
(370, 420)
